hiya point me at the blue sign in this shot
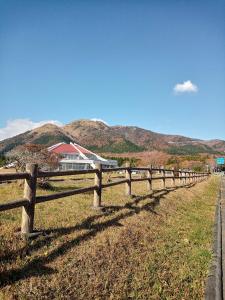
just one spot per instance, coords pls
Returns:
(220, 161)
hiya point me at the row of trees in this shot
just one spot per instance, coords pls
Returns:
(32, 153)
(122, 160)
(3, 160)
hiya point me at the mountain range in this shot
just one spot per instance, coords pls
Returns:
(99, 137)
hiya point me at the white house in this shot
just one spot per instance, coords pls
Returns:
(76, 157)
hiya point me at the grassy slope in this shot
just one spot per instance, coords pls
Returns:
(148, 249)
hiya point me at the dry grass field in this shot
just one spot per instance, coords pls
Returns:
(155, 247)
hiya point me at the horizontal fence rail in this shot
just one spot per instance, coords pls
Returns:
(40, 199)
(32, 173)
(64, 173)
(13, 176)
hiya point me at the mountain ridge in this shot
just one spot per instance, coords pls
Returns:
(100, 137)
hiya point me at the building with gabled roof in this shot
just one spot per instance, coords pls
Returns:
(76, 157)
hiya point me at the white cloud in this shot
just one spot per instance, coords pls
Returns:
(185, 87)
(99, 120)
(17, 126)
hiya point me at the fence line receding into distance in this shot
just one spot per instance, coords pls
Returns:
(32, 174)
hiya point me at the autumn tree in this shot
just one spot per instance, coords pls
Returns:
(157, 158)
(36, 154)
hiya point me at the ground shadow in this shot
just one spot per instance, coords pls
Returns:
(36, 267)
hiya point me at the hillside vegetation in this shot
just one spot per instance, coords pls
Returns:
(115, 139)
(191, 149)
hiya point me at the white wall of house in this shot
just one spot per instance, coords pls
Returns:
(81, 159)
(83, 164)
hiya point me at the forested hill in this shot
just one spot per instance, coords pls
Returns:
(99, 137)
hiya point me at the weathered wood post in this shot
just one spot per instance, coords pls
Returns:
(182, 179)
(128, 177)
(30, 185)
(185, 177)
(149, 182)
(180, 176)
(164, 177)
(173, 179)
(98, 184)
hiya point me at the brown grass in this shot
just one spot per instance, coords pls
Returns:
(139, 248)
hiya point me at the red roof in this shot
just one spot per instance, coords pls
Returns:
(69, 148)
(65, 148)
(83, 150)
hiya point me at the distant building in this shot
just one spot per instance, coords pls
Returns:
(76, 157)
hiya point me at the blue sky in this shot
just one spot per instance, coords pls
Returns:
(119, 61)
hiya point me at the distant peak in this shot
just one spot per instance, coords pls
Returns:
(46, 127)
(88, 123)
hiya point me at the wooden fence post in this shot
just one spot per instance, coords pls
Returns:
(98, 184)
(164, 177)
(30, 185)
(180, 180)
(180, 175)
(173, 179)
(128, 177)
(149, 182)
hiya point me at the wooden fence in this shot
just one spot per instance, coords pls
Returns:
(32, 174)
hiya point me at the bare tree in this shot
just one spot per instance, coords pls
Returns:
(31, 153)
(36, 154)
(157, 158)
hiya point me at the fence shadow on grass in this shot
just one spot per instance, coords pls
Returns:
(36, 267)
